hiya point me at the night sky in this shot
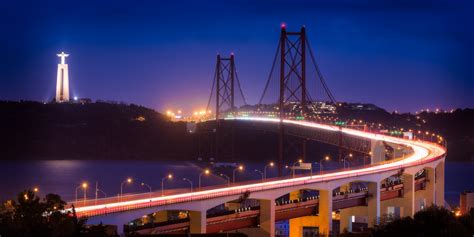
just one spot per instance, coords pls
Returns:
(400, 55)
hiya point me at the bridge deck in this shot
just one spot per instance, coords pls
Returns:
(423, 152)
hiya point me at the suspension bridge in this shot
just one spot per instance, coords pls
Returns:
(302, 95)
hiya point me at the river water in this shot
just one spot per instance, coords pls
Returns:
(63, 176)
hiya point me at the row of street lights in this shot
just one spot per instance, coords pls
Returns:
(85, 185)
(300, 161)
(263, 175)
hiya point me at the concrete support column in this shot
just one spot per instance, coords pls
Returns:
(430, 187)
(267, 217)
(197, 222)
(373, 204)
(408, 200)
(347, 215)
(325, 212)
(439, 184)
(345, 222)
(377, 150)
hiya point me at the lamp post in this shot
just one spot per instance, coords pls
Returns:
(233, 172)
(148, 186)
(128, 180)
(97, 190)
(84, 186)
(227, 177)
(344, 160)
(169, 176)
(294, 164)
(85, 193)
(204, 172)
(286, 168)
(320, 163)
(265, 169)
(326, 158)
(190, 183)
(261, 174)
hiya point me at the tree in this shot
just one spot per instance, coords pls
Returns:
(432, 221)
(30, 216)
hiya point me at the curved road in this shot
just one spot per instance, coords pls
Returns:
(423, 152)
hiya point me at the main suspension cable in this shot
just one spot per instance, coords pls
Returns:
(240, 88)
(212, 90)
(271, 73)
(321, 78)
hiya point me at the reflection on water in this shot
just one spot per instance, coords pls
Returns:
(63, 176)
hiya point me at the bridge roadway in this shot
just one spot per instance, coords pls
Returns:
(425, 154)
(248, 217)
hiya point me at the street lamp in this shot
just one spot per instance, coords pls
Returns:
(169, 176)
(36, 189)
(128, 180)
(261, 174)
(84, 186)
(265, 169)
(206, 172)
(227, 177)
(287, 167)
(233, 172)
(344, 160)
(190, 183)
(320, 163)
(148, 186)
(294, 164)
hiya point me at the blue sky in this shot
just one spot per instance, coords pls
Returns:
(400, 55)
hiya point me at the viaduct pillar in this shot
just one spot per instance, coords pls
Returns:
(267, 217)
(439, 182)
(197, 222)
(325, 212)
(373, 204)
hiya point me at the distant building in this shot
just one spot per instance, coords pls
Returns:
(62, 80)
(83, 100)
(466, 202)
(360, 106)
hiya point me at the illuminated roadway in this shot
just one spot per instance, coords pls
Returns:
(423, 153)
(248, 217)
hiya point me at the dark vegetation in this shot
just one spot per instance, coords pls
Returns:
(33, 130)
(432, 221)
(28, 215)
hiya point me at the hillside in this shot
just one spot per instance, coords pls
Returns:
(33, 130)
(455, 126)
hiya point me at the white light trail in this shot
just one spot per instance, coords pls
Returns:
(422, 151)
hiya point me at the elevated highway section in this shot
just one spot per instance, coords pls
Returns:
(418, 155)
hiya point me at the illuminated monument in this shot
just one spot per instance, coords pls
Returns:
(62, 82)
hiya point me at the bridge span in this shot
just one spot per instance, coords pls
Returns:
(419, 155)
(247, 217)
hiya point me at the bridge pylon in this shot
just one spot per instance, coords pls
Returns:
(225, 77)
(226, 93)
(293, 90)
